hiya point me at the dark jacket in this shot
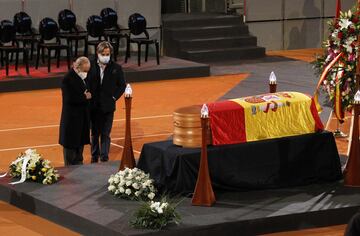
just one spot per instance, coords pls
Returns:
(105, 95)
(75, 120)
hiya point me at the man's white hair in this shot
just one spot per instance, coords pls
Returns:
(79, 62)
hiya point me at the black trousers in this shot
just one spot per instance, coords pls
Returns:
(101, 124)
(73, 156)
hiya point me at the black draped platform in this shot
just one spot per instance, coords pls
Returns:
(80, 202)
(273, 163)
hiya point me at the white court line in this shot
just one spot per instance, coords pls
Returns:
(26, 128)
(54, 145)
(329, 120)
(116, 145)
(53, 126)
(144, 136)
(24, 148)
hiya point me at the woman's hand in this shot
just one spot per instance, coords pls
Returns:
(87, 94)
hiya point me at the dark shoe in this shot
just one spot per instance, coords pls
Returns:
(104, 160)
(94, 160)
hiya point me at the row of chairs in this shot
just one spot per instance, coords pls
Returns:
(19, 36)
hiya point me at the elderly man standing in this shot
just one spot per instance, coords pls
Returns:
(107, 84)
(75, 118)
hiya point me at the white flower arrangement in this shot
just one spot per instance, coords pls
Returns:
(341, 39)
(158, 207)
(35, 168)
(155, 215)
(132, 184)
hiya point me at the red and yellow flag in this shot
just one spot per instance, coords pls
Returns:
(262, 117)
(337, 95)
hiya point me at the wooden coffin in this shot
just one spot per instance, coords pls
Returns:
(187, 127)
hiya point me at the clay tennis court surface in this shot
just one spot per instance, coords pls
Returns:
(31, 120)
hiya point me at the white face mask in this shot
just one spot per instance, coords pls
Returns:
(104, 59)
(82, 75)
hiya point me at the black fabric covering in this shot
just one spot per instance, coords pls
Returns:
(272, 163)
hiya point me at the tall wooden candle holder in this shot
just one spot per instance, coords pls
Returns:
(128, 159)
(272, 88)
(203, 193)
(352, 169)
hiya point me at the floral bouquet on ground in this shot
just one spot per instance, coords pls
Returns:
(155, 215)
(132, 184)
(34, 167)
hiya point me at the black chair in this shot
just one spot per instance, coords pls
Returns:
(8, 44)
(49, 31)
(70, 31)
(25, 33)
(137, 26)
(112, 30)
(95, 27)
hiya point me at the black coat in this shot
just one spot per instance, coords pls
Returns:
(105, 95)
(75, 120)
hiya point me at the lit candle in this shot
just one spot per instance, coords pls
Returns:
(128, 91)
(272, 78)
(204, 111)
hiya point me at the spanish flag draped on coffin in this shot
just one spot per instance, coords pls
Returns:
(264, 116)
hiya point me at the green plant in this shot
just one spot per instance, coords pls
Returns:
(155, 215)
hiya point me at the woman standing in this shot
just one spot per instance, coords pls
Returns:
(75, 121)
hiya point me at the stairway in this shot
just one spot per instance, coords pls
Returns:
(206, 37)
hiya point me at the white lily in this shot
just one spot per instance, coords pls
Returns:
(344, 23)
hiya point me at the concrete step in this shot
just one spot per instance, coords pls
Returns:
(199, 19)
(209, 37)
(223, 54)
(206, 31)
(216, 42)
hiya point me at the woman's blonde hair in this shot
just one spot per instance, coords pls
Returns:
(103, 45)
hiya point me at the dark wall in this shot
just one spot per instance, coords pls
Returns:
(291, 24)
(171, 6)
(175, 6)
